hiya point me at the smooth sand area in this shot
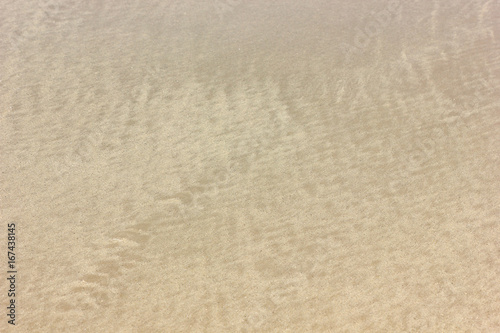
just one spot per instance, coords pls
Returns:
(251, 166)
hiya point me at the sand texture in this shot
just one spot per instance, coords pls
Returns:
(251, 166)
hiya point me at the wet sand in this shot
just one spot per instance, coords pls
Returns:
(251, 167)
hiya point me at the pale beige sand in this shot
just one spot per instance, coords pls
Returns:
(237, 166)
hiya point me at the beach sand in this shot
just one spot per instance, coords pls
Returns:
(237, 166)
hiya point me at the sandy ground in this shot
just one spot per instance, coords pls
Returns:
(237, 166)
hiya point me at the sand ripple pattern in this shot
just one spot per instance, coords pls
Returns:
(223, 167)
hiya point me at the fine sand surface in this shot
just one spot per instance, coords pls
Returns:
(251, 166)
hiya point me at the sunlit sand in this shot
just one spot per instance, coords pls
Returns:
(237, 166)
